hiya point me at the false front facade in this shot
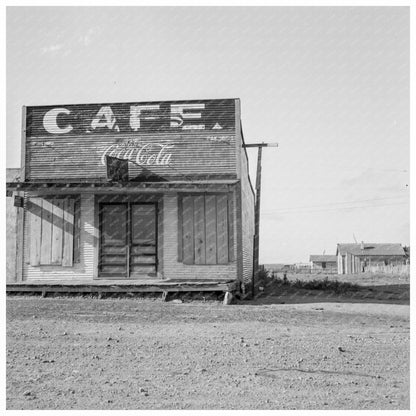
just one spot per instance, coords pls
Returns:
(134, 191)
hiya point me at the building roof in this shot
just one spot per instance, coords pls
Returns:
(327, 258)
(371, 249)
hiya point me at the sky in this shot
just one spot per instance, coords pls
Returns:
(330, 85)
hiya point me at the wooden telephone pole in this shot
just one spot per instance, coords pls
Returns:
(257, 210)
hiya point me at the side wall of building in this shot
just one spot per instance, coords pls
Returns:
(11, 235)
(247, 217)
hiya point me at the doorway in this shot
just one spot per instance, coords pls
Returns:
(128, 239)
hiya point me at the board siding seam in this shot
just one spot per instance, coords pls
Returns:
(238, 139)
(230, 227)
(23, 156)
(180, 231)
(20, 224)
(240, 265)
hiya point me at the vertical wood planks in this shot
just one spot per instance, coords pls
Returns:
(222, 229)
(68, 237)
(230, 227)
(45, 251)
(180, 230)
(57, 230)
(206, 229)
(77, 228)
(188, 229)
(211, 229)
(20, 226)
(199, 225)
(51, 231)
(35, 209)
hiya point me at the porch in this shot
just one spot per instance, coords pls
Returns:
(122, 286)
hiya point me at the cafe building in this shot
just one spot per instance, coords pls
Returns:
(151, 196)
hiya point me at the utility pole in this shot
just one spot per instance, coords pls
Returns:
(257, 210)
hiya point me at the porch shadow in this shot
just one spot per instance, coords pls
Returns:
(285, 294)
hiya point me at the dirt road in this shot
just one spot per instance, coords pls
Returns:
(79, 353)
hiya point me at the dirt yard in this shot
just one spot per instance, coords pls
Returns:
(84, 353)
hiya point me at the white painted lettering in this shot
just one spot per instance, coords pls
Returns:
(183, 112)
(105, 154)
(135, 114)
(50, 121)
(104, 118)
(139, 154)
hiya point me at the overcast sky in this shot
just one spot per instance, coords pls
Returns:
(330, 85)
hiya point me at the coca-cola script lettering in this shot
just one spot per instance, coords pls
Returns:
(140, 153)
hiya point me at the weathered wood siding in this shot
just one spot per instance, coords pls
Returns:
(73, 144)
(177, 140)
(174, 269)
(247, 221)
(12, 227)
(78, 271)
(11, 235)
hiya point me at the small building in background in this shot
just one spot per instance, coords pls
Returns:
(359, 258)
(323, 262)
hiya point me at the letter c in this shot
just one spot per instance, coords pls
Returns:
(50, 124)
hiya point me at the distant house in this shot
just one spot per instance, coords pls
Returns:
(276, 267)
(407, 252)
(324, 262)
(355, 258)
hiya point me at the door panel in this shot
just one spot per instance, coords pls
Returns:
(114, 248)
(128, 240)
(141, 250)
(143, 239)
(142, 270)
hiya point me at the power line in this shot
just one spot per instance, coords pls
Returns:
(334, 203)
(293, 211)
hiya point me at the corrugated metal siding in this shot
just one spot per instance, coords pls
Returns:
(78, 153)
(160, 116)
(192, 154)
(79, 271)
(172, 269)
(247, 207)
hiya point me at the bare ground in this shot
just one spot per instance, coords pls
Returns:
(84, 353)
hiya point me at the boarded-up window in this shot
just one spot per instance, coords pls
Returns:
(53, 228)
(206, 234)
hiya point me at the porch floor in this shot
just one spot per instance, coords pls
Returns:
(122, 286)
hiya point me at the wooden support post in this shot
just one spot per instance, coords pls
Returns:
(257, 209)
(165, 295)
(256, 222)
(228, 297)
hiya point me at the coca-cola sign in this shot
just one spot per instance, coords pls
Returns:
(174, 139)
(140, 153)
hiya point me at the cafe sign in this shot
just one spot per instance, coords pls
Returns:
(168, 116)
(171, 139)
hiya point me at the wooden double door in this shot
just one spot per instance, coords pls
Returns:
(128, 240)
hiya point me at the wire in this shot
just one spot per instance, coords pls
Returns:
(334, 203)
(334, 209)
